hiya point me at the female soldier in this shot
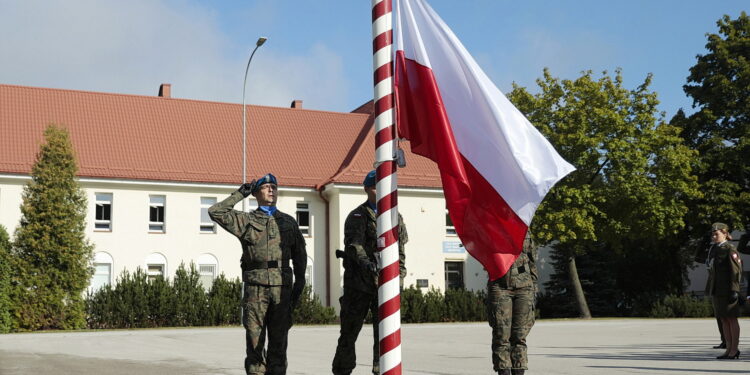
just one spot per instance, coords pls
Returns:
(725, 270)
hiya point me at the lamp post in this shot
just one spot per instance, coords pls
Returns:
(259, 43)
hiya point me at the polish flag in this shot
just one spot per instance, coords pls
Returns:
(495, 166)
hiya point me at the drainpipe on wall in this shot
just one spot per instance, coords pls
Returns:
(328, 244)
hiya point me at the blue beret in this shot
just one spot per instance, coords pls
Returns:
(370, 179)
(267, 179)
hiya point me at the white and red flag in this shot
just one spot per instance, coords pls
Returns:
(495, 166)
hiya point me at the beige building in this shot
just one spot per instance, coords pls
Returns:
(151, 166)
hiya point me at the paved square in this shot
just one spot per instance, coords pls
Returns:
(607, 346)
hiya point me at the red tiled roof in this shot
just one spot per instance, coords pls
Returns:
(166, 139)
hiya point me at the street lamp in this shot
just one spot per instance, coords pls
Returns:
(259, 43)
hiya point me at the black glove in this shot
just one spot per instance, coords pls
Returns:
(734, 297)
(247, 188)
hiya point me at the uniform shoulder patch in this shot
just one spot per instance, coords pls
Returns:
(356, 214)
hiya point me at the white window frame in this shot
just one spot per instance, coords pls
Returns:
(157, 226)
(103, 225)
(306, 230)
(207, 227)
(206, 262)
(102, 258)
(461, 272)
(450, 230)
(156, 260)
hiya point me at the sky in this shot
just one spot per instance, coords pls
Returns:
(321, 52)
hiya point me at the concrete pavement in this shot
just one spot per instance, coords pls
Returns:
(607, 346)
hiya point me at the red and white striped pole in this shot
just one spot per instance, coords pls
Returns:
(389, 298)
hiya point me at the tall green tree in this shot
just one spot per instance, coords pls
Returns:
(5, 322)
(51, 253)
(633, 170)
(719, 84)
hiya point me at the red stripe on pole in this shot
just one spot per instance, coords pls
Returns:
(380, 9)
(386, 202)
(385, 169)
(385, 135)
(383, 104)
(389, 272)
(391, 341)
(382, 40)
(382, 73)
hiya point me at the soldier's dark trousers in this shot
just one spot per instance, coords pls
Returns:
(354, 307)
(266, 309)
(510, 313)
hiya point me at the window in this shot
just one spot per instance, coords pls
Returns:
(309, 273)
(207, 226)
(103, 215)
(454, 275)
(154, 270)
(156, 212)
(102, 271)
(303, 218)
(156, 265)
(208, 267)
(207, 275)
(449, 228)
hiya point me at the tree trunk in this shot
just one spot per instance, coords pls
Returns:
(575, 282)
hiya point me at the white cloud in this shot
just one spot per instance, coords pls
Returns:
(133, 46)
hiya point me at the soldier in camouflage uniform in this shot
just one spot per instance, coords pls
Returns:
(361, 279)
(269, 240)
(510, 311)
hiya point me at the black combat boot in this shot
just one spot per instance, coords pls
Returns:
(518, 371)
(504, 371)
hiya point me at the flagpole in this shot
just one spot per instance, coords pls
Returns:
(389, 298)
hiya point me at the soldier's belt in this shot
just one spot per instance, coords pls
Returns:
(269, 264)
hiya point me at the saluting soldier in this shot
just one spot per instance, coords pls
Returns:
(361, 279)
(723, 285)
(269, 240)
(510, 311)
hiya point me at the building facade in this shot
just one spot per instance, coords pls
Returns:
(151, 166)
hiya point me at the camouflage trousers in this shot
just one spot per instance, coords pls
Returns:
(510, 313)
(354, 307)
(266, 310)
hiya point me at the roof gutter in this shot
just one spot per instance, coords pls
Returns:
(320, 189)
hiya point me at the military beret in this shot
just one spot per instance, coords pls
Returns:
(267, 179)
(370, 179)
(719, 226)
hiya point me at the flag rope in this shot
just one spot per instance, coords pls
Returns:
(389, 298)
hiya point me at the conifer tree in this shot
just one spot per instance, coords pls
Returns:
(51, 253)
(5, 323)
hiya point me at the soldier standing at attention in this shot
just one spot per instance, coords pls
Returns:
(724, 274)
(361, 279)
(269, 240)
(510, 311)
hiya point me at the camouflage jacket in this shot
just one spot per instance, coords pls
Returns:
(724, 270)
(263, 239)
(360, 241)
(523, 273)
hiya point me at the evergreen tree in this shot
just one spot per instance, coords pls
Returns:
(719, 84)
(50, 250)
(5, 323)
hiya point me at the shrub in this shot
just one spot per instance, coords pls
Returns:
(682, 306)
(224, 302)
(311, 311)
